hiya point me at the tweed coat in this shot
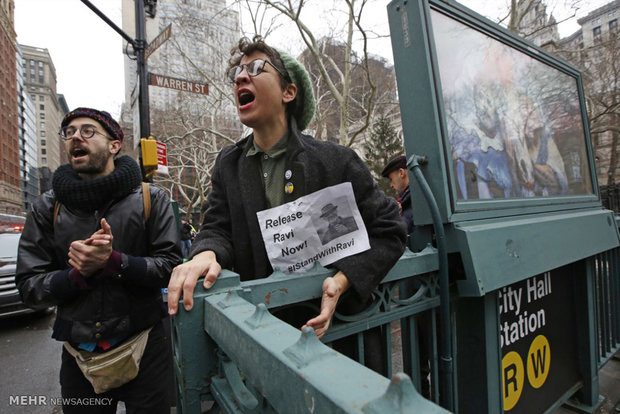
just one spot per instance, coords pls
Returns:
(231, 229)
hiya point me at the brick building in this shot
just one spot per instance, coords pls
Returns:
(10, 185)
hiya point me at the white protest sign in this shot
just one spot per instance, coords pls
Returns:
(323, 227)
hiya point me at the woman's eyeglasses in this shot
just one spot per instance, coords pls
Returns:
(255, 67)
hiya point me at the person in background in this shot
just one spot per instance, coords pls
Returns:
(186, 237)
(93, 248)
(396, 172)
(277, 164)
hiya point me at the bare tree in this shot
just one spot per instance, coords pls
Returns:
(200, 126)
(601, 80)
(192, 144)
(531, 17)
(335, 79)
(598, 63)
(194, 127)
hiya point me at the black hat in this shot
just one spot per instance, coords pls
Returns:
(394, 164)
(327, 209)
(105, 119)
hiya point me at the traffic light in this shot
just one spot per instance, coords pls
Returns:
(150, 7)
(149, 155)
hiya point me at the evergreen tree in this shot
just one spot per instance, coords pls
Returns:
(383, 145)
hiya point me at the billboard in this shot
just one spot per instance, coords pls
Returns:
(501, 122)
(513, 123)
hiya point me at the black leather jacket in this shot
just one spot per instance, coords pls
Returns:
(125, 300)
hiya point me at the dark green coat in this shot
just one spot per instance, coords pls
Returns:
(231, 228)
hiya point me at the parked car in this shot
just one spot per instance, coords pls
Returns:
(10, 301)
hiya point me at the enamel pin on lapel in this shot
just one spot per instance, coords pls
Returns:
(288, 188)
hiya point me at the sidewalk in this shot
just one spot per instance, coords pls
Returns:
(609, 388)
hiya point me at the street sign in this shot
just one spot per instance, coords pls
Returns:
(178, 84)
(158, 41)
(162, 158)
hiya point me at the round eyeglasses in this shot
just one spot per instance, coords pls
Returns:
(86, 132)
(255, 67)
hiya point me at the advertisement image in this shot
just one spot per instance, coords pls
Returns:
(513, 123)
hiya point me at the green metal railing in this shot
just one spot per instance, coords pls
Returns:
(607, 288)
(230, 350)
(610, 197)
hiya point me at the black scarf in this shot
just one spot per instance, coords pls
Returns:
(90, 195)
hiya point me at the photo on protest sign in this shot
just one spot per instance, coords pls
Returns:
(322, 227)
(335, 220)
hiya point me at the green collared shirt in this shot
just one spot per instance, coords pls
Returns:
(272, 165)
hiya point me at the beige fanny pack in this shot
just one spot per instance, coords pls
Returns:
(111, 369)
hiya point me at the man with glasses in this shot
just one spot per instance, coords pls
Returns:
(92, 247)
(276, 164)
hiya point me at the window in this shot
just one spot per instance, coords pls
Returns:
(41, 98)
(42, 142)
(43, 151)
(42, 133)
(613, 25)
(42, 115)
(40, 64)
(33, 97)
(42, 107)
(43, 160)
(42, 125)
(596, 33)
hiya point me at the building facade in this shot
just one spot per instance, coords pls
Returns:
(64, 109)
(203, 32)
(28, 143)
(599, 24)
(535, 25)
(594, 49)
(10, 185)
(191, 124)
(40, 81)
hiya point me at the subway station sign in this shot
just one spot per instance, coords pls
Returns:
(538, 340)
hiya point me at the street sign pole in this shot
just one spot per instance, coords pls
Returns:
(143, 91)
(139, 46)
(143, 88)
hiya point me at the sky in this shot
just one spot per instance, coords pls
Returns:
(88, 55)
